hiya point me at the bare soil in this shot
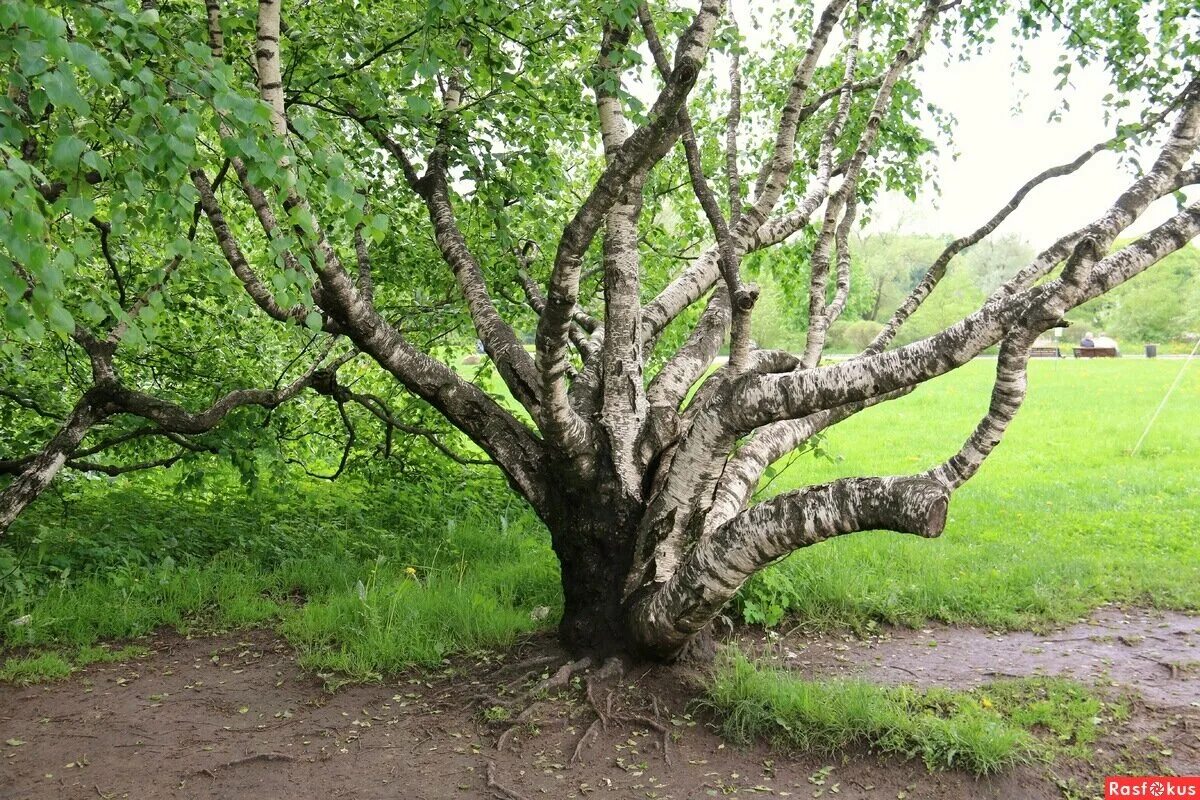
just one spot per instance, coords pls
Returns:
(233, 716)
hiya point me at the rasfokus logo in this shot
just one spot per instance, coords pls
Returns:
(1152, 786)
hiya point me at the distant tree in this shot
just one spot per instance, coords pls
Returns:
(891, 265)
(166, 170)
(958, 295)
(991, 261)
(1161, 305)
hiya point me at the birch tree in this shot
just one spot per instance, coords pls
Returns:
(592, 174)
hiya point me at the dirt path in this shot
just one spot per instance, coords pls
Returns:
(1156, 654)
(234, 717)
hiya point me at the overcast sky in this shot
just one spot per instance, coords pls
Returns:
(999, 148)
(1002, 139)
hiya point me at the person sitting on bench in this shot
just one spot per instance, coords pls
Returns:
(1088, 340)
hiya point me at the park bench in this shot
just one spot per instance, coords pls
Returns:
(1045, 352)
(1095, 352)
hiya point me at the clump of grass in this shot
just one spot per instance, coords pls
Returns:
(102, 654)
(1064, 711)
(981, 732)
(40, 668)
(49, 666)
(398, 616)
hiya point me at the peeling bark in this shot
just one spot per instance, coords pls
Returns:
(37, 475)
(719, 564)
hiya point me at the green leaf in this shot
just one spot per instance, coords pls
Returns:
(62, 92)
(93, 312)
(313, 321)
(85, 57)
(133, 182)
(60, 319)
(81, 207)
(66, 152)
(418, 105)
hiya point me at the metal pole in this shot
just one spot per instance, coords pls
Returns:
(1166, 397)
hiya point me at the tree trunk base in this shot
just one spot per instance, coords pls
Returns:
(701, 649)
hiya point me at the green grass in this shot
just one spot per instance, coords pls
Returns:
(358, 619)
(396, 617)
(363, 583)
(1060, 520)
(40, 668)
(984, 731)
(47, 666)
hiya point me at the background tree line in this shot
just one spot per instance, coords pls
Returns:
(1161, 307)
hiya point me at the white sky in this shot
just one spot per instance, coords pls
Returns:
(1002, 139)
(1000, 147)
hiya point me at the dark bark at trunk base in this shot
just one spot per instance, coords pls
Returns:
(593, 620)
(700, 650)
(594, 539)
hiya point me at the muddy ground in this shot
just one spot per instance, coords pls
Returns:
(234, 717)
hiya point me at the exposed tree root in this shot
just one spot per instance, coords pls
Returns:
(562, 677)
(522, 719)
(499, 789)
(612, 670)
(211, 771)
(529, 663)
(586, 740)
(559, 680)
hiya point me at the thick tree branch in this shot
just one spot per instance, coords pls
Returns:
(622, 395)
(1008, 393)
(745, 468)
(470, 409)
(644, 147)
(716, 568)
(803, 392)
(266, 55)
(258, 291)
(937, 270)
(499, 340)
(676, 513)
(40, 471)
(733, 120)
(173, 418)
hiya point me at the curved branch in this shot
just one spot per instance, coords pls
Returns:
(719, 564)
(467, 407)
(937, 270)
(173, 418)
(762, 399)
(1008, 393)
(258, 291)
(379, 409)
(745, 468)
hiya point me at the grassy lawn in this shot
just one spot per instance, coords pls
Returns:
(367, 578)
(1060, 519)
(364, 580)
